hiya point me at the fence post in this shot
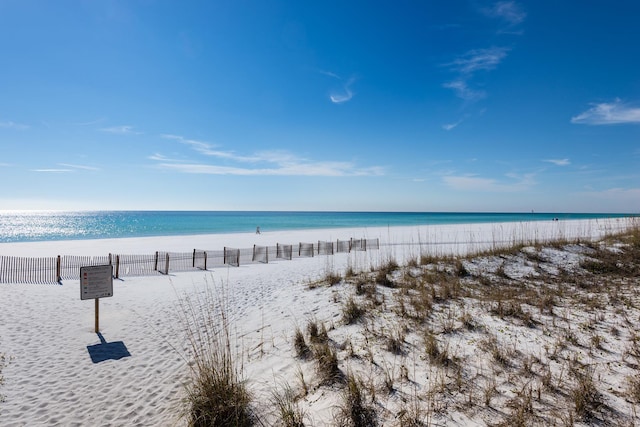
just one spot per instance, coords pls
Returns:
(238, 257)
(205, 260)
(155, 266)
(299, 248)
(117, 266)
(167, 270)
(365, 244)
(58, 270)
(253, 257)
(194, 259)
(224, 258)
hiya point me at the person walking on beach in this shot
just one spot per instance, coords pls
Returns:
(258, 230)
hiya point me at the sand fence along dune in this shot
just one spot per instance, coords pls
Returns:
(23, 269)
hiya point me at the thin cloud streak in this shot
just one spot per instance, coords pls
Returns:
(208, 149)
(463, 91)
(121, 130)
(558, 162)
(52, 170)
(330, 74)
(283, 163)
(327, 169)
(509, 11)
(478, 60)
(81, 167)
(339, 98)
(467, 65)
(451, 126)
(605, 113)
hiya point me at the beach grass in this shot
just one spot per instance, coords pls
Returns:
(540, 334)
(216, 395)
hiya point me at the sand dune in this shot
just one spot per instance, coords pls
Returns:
(46, 331)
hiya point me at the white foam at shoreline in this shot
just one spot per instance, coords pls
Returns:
(45, 329)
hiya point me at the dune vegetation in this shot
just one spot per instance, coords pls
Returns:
(540, 334)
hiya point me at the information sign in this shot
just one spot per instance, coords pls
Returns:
(96, 281)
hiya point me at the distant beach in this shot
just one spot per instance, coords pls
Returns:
(34, 226)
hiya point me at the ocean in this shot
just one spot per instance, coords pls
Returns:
(31, 226)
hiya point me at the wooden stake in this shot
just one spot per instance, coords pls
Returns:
(97, 315)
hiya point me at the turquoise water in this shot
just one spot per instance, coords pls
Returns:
(29, 226)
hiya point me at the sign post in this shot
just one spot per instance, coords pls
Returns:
(96, 282)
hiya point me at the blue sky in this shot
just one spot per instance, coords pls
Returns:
(463, 105)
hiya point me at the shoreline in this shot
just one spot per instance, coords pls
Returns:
(447, 236)
(97, 225)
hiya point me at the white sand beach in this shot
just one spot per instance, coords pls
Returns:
(45, 330)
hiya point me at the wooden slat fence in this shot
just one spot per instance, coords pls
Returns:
(67, 267)
(358, 245)
(305, 249)
(28, 270)
(372, 244)
(284, 251)
(343, 245)
(325, 248)
(134, 265)
(260, 254)
(70, 264)
(232, 256)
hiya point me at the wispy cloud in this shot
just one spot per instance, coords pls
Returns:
(512, 183)
(91, 122)
(303, 168)
(161, 158)
(13, 125)
(478, 59)
(463, 91)
(330, 74)
(451, 126)
(558, 162)
(265, 163)
(79, 167)
(345, 95)
(52, 170)
(121, 130)
(66, 168)
(208, 149)
(339, 98)
(616, 112)
(467, 65)
(509, 11)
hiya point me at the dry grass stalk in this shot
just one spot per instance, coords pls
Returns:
(353, 411)
(300, 345)
(352, 312)
(216, 394)
(289, 412)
